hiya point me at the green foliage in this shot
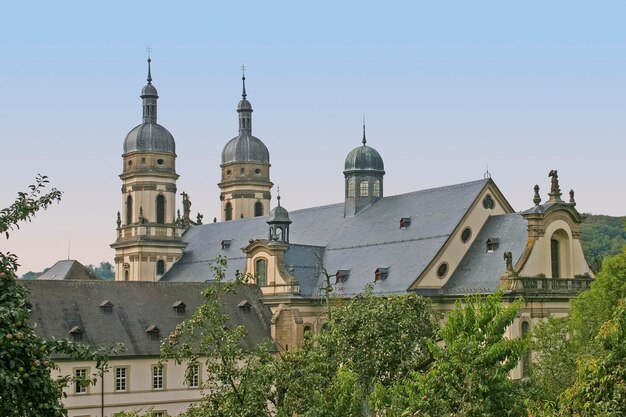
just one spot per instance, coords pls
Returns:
(470, 372)
(342, 398)
(594, 307)
(369, 339)
(602, 236)
(239, 382)
(554, 367)
(104, 270)
(30, 275)
(567, 347)
(26, 360)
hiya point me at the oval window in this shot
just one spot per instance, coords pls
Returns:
(160, 161)
(466, 234)
(488, 202)
(442, 270)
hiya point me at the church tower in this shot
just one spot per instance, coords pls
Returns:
(363, 171)
(245, 186)
(148, 236)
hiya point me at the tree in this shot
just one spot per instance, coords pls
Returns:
(602, 236)
(105, 270)
(563, 345)
(370, 339)
(239, 381)
(469, 375)
(26, 360)
(600, 386)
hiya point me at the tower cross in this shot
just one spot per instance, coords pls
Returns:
(149, 51)
(243, 70)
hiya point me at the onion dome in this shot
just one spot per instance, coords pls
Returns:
(245, 147)
(364, 158)
(149, 136)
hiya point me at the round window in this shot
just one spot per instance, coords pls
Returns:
(257, 171)
(442, 270)
(130, 163)
(466, 234)
(160, 161)
(228, 172)
(488, 202)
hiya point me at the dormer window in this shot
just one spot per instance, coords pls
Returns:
(106, 306)
(226, 243)
(76, 333)
(244, 305)
(492, 244)
(153, 331)
(342, 276)
(405, 222)
(179, 307)
(381, 274)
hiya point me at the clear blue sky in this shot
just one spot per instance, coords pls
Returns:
(447, 88)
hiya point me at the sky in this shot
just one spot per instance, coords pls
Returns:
(449, 90)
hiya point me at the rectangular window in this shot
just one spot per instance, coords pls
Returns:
(157, 377)
(121, 375)
(80, 383)
(159, 414)
(194, 376)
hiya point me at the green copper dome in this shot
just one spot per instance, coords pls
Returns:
(364, 158)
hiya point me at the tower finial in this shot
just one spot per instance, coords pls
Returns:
(278, 194)
(364, 140)
(243, 79)
(149, 51)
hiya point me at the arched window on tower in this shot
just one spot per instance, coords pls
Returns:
(129, 210)
(260, 270)
(160, 209)
(364, 189)
(160, 267)
(126, 273)
(258, 209)
(376, 191)
(228, 212)
(555, 258)
(351, 182)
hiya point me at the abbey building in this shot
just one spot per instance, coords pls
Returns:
(443, 243)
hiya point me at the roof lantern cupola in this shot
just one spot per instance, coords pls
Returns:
(279, 222)
(364, 170)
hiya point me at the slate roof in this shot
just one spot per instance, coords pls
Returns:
(68, 270)
(480, 271)
(58, 306)
(363, 243)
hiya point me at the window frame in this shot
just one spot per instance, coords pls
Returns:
(158, 377)
(118, 381)
(261, 279)
(159, 204)
(81, 388)
(194, 381)
(364, 189)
